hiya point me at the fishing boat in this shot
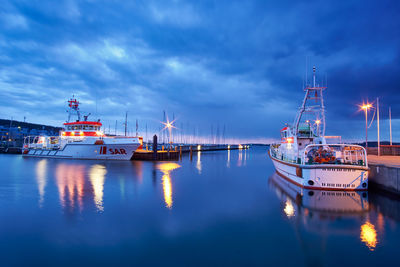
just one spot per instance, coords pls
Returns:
(308, 158)
(81, 139)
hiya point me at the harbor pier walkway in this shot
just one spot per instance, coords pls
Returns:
(385, 172)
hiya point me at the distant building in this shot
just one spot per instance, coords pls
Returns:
(12, 133)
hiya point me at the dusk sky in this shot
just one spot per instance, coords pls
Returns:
(235, 63)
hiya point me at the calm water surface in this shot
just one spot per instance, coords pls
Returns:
(221, 208)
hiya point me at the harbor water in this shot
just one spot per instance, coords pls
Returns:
(220, 208)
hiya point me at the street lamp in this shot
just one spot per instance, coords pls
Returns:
(366, 107)
(318, 122)
(168, 126)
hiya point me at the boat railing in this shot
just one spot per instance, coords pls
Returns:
(341, 154)
(275, 152)
(42, 142)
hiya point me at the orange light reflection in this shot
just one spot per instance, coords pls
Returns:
(70, 181)
(368, 235)
(166, 169)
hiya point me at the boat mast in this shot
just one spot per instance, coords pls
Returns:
(318, 109)
(73, 105)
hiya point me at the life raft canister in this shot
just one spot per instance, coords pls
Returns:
(99, 142)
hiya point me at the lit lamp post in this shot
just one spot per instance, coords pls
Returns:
(168, 126)
(318, 123)
(366, 107)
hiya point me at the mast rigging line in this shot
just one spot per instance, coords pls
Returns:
(373, 117)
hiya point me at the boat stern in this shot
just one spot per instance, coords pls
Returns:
(335, 178)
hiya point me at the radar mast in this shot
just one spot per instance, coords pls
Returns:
(313, 105)
(73, 109)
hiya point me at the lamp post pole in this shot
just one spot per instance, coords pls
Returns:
(377, 113)
(366, 128)
(365, 107)
(390, 124)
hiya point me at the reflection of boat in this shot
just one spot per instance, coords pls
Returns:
(324, 213)
(322, 200)
(81, 140)
(73, 186)
(305, 158)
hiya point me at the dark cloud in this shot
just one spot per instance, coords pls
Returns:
(234, 63)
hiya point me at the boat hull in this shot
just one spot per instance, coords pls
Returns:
(86, 151)
(323, 176)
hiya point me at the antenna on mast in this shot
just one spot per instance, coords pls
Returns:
(313, 76)
(137, 128)
(126, 121)
(306, 70)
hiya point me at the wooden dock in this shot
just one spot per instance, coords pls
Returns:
(178, 150)
(143, 154)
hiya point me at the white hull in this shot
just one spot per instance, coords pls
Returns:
(86, 151)
(323, 176)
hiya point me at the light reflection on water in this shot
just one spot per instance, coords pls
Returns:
(41, 179)
(289, 209)
(368, 235)
(219, 203)
(166, 169)
(70, 180)
(228, 161)
(97, 176)
(198, 162)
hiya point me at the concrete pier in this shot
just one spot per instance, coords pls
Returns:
(385, 172)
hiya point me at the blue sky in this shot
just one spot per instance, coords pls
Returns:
(235, 63)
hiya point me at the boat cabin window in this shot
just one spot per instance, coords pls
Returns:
(79, 127)
(68, 127)
(90, 127)
(284, 134)
(85, 127)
